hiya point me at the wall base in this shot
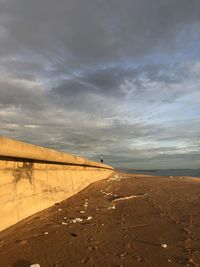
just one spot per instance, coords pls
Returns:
(27, 187)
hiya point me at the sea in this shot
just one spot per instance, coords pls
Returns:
(169, 172)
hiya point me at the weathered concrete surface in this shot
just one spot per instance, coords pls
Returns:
(15, 149)
(34, 178)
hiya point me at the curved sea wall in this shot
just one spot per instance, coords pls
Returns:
(33, 178)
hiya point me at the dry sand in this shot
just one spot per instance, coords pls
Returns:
(134, 220)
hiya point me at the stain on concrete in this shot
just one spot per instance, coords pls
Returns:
(24, 172)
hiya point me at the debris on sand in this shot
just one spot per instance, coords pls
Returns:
(35, 265)
(164, 245)
(129, 197)
(76, 220)
(115, 177)
(112, 208)
(123, 255)
(64, 223)
(86, 203)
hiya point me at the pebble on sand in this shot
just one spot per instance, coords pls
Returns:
(64, 223)
(112, 208)
(76, 220)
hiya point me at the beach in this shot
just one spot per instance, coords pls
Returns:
(125, 220)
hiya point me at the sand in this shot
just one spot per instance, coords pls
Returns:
(128, 220)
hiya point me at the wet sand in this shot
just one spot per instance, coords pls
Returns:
(127, 220)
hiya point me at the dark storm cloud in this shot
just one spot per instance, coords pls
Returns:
(95, 31)
(48, 27)
(112, 81)
(104, 81)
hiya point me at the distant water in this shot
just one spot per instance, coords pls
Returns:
(170, 172)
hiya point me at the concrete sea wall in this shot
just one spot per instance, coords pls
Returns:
(33, 178)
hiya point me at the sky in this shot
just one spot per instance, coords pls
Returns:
(90, 77)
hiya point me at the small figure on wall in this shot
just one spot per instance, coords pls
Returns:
(101, 158)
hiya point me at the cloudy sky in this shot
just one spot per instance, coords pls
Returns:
(121, 78)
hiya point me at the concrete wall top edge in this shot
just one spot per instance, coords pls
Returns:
(16, 149)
